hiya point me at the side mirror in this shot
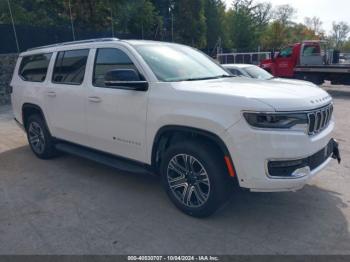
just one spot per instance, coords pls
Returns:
(127, 79)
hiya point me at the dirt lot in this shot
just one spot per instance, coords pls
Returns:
(71, 205)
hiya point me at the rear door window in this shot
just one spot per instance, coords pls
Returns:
(70, 67)
(33, 68)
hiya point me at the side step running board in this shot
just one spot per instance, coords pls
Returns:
(103, 158)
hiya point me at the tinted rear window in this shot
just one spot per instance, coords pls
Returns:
(70, 67)
(34, 67)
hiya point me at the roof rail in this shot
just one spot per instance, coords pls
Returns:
(75, 42)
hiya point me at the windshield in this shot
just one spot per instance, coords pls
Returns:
(257, 72)
(170, 62)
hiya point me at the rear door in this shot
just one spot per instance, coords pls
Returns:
(65, 96)
(116, 118)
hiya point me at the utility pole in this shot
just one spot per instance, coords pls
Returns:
(71, 19)
(112, 25)
(13, 25)
(172, 27)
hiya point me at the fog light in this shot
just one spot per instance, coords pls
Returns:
(301, 172)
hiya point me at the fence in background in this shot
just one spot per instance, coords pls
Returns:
(243, 58)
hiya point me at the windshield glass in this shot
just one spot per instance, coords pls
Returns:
(257, 72)
(170, 62)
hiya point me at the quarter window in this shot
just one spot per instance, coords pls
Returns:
(34, 68)
(70, 67)
(108, 59)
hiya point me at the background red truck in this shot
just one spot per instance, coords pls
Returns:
(308, 60)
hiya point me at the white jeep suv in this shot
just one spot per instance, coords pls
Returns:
(145, 106)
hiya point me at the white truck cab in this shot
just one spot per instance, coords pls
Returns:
(169, 109)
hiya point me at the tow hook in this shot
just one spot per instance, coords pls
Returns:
(336, 153)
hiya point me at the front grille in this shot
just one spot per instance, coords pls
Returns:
(285, 168)
(319, 119)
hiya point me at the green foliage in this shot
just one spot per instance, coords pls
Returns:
(247, 26)
(215, 22)
(141, 18)
(346, 47)
(189, 20)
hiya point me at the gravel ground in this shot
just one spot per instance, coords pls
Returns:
(70, 205)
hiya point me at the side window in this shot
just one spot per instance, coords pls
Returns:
(286, 52)
(235, 72)
(311, 50)
(34, 68)
(108, 59)
(70, 67)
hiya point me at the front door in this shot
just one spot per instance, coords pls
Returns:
(116, 118)
(284, 62)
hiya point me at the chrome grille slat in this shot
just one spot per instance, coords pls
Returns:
(327, 114)
(319, 119)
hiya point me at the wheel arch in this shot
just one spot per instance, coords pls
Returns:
(29, 109)
(171, 133)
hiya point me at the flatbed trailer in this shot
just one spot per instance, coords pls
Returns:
(308, 61)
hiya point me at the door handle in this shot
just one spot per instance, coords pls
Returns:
(51, 93)
(94, 99)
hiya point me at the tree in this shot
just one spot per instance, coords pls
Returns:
(274, 36)
(144, 19)
(247, 23)
(34, 12)
(314, 24)
(339, 34)
(189, 22)
(346, 47)
(215, 24)
(284, 14)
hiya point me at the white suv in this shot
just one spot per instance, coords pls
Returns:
(169, 109)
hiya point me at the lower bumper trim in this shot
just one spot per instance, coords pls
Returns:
(288, 168)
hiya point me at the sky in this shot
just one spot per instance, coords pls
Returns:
(327, 10)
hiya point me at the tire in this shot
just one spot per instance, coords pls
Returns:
(194, 194)
(39, 138)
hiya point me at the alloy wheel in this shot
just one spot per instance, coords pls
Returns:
(36, 137)
(188, 180)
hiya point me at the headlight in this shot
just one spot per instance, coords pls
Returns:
(277, 120)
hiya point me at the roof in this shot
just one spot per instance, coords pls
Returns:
(75, 43)
(87, 44)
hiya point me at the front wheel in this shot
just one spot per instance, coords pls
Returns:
(195, 178)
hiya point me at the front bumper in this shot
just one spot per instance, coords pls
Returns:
(252, 149)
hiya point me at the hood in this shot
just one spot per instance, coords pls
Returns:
(294, 81)
(281, 95)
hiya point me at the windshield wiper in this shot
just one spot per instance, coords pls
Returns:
(223, 76)
(199, 78)
(207, 78)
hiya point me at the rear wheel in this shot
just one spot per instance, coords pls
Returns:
(39, 138)
(195, 178)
